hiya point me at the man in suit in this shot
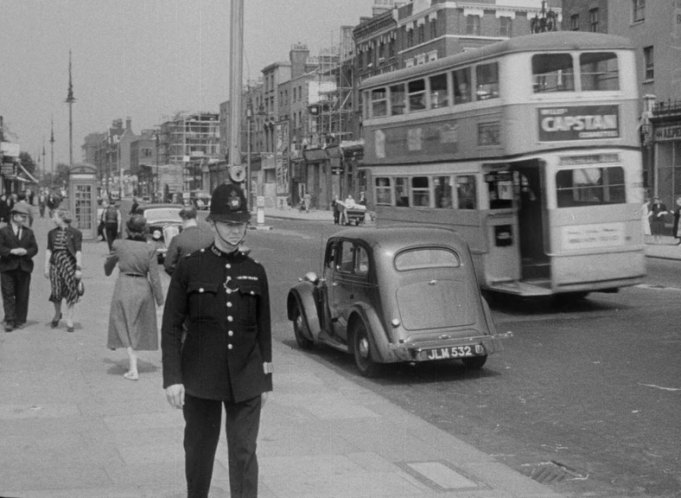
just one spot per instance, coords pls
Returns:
(226, 357)
(192, 238)
(17, 248)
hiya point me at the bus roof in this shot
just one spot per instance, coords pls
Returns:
(551, 41)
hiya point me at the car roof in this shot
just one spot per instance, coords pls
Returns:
(160, 206)
(397, 237)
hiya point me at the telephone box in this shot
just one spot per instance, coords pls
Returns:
(83, 199)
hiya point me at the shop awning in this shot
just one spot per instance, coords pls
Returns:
(27, 177)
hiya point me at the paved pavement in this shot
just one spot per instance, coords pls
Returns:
(71, 426)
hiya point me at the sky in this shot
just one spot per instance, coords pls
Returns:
(142, 59)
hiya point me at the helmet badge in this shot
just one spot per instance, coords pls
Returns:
(234, 201)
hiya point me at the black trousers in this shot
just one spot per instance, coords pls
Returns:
(111, 231)
(15, 286)
(201, 435)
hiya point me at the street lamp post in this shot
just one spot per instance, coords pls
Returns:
(247, 185)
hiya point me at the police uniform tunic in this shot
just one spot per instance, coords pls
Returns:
(228, 345)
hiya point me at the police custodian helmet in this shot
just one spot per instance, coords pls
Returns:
(228, 205)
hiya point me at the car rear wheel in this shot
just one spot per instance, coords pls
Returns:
(362, 351)
(300, 328)
(474, 363)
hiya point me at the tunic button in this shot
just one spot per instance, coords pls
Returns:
(229, 346)
(201, 289)
(230, 318)
(230, 333)
(228, 266)
(229, 304)
(252, 292)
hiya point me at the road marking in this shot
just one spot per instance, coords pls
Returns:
(661, 387)
(658, 287)
(442, 475)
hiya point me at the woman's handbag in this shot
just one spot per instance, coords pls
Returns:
(81, 288)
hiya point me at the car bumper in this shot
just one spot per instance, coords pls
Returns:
(429, 350)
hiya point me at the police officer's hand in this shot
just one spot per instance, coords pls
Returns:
(175, 395)
(263, 398)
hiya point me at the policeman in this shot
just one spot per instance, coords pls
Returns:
(226, 356)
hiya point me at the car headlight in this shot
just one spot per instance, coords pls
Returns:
(156, 234)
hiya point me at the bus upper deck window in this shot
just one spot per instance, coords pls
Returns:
(487, 81)
(379, 102)
(462, 85)
(552, 73)
(438, 91)
(417, 95)
(599, 71)
(397, 102)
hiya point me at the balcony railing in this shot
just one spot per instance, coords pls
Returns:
(668, 108)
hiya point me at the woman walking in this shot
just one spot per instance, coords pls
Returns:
(63, 260)
(132, 318)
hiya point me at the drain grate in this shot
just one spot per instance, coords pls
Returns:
(552, 472)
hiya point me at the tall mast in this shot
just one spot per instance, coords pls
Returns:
(52, 149)
(70, 99)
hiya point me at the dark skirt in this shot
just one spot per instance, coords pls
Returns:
(63, 281)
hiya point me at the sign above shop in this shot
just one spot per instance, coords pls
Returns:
(668, 133)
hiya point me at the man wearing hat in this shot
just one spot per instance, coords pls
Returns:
(192, 238)
(226, 357)
(17, 248)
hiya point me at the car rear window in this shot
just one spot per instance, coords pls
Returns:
(432, 257)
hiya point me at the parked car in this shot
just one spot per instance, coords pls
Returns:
(395, 294)
(164, 223)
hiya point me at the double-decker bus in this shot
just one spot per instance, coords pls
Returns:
(528, 148)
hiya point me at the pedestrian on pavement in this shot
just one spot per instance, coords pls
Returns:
(657, 213)
(192, 238)
(132, 317)
(111, 216)
(42, 202)
(17, 248)
(52, 203)
(335, 205)
(63, 266)
(135, 205)
(21, 198)
(676, 232)
(225, 358)
(4, 209)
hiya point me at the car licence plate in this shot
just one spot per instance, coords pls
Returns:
(453, 352)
